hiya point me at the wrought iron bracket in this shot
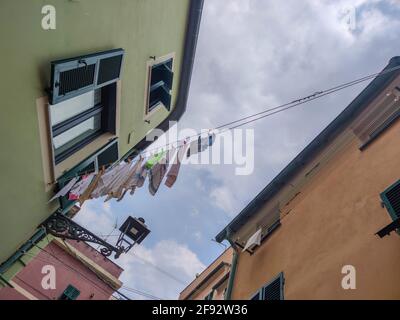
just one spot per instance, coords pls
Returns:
(61, 226)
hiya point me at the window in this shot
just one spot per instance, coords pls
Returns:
(160, 81)
(71, 293)
(376, 119)
(272, 290)
(83, 100)
(103, 157)
(209, 296)
(391, 200)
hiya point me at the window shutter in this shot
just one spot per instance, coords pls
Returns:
(274, 290)
(391, 199)
(256, 296)
(75, 76)
(160, 94)
(109, 155)
(374, 121)
(71, 293)
(163, 73)
(209, 296)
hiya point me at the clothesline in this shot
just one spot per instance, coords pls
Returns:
(262, 114)
(148, 153)
(127, 176)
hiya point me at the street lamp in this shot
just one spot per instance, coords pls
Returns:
(133, 228)
(63, 227)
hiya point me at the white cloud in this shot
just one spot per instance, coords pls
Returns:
(251, 55)
(163, 270)
(224, 199)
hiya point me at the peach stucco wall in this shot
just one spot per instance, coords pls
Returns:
(333, 224)
(190, 292)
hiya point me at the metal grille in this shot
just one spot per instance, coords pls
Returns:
(75, 79)
(273, 290)
(109, 69)
(393, 197)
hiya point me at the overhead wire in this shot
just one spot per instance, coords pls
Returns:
(266, 113)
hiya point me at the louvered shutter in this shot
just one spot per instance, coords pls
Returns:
(373, 121)
(71, 293)
(391, 200)
(75, 76)
(274, 290)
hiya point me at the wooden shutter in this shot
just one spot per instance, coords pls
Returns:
(163, 73)
(160, 94)
(75, 76)
(374, 120)
(109, 155)
(274, 290)
(391, 199)
(71, 293)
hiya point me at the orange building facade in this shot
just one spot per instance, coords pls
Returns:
(318, 219)
(212, 283)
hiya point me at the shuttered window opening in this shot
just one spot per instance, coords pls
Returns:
(160, 85)
(75, 79)
(109, 69)
(104, 157)
(273, 290)
(209, 296)
(75, 76)
(268, 224)
(78, 121)
(70, 293)
(391, 200)
(372, 123)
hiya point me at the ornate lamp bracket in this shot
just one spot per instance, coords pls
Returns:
(61, 226)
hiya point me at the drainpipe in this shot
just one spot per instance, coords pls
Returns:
(228, 294)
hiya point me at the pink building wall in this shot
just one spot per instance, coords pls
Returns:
(69, 271)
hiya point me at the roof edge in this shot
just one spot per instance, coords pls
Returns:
(318, 143)
(192, 34)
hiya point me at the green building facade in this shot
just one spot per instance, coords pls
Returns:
(151, 33)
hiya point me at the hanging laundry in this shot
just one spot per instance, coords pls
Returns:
(65, 189)
(254, 240)
(155, 159)
(113, 190)
(80, 187)
(132, 173)
(87, 193)
(132, 182)
(200, 145)
(106, 180)
(174, 170)
(141, 177)
(157, 173)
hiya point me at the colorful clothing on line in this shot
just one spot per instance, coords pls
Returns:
(80, 187)
(65, 189)
(200, 145)
(155, 159)
(157, 173)
(173, 172)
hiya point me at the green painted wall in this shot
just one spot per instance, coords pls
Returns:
(142, 27)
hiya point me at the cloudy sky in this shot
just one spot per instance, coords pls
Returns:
(251, 55)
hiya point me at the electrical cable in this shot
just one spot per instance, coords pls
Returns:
(271, 111)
